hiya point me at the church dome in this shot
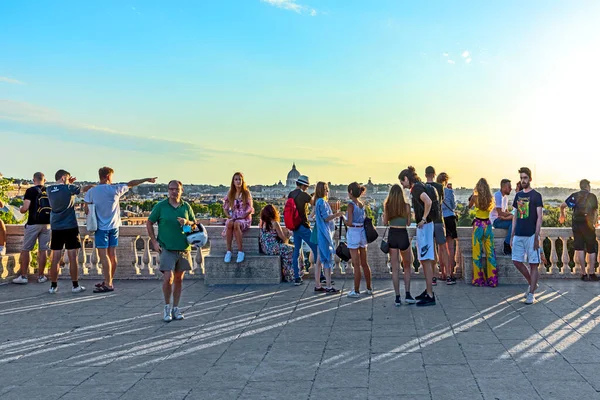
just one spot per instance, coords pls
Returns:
(293, 174)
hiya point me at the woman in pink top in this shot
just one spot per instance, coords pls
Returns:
(238, 209)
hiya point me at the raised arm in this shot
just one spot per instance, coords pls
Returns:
(137, 182)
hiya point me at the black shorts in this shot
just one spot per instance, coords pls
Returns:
(584, 238)
(450, 223)
(398, 239)
(67, 238)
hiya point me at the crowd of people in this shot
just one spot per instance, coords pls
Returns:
(52, 224)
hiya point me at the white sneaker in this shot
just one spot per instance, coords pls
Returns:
(353, 294)
(42, 279)
(227, 257)
(78, 289)
(21, 280)
(530, 298)
(167, 314)
(240, 257)
(176, 313)
(370, 292)
(529, 289)
(53, 290)
(2, 251)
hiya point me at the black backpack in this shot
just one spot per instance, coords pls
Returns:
(436, 210)
(582, 209)
(43, 209)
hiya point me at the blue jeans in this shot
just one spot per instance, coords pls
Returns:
(301, 234)
(504, 224)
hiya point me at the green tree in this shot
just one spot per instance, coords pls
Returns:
(8, 218)
(258, 206)
(199, 208)
(216, 210)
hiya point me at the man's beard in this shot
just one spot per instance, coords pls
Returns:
(525, 185)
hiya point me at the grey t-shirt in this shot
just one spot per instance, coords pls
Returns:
(62, 202)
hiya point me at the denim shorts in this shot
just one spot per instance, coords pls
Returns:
(105, 239)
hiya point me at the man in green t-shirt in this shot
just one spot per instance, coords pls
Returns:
(172, 216)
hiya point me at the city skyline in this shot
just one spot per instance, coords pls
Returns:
(346, 90)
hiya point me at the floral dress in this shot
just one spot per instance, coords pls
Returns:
(238, 210)
(272, 245)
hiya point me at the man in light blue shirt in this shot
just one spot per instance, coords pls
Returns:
(106, 199)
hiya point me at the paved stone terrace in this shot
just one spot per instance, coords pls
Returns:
(258, 342)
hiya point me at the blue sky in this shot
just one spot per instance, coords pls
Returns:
(346, 89)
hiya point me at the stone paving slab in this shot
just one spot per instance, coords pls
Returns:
(274, 341)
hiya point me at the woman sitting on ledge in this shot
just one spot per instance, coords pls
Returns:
(238, 209)
(274, 240)
(483, 236)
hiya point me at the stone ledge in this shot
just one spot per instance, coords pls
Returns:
(256, 269)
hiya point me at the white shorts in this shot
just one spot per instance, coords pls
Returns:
(523, 246)
(425, 247)
(356, 238)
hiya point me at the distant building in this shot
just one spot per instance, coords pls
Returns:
(292, 176)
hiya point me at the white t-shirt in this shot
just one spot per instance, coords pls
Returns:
(501, 202)
(106, 199)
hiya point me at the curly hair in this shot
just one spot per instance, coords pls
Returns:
(268, 215)
(233, 190)
(411, 174)
(484, 196)
(395, 204)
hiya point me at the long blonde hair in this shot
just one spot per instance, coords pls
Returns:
(484, 196)
(233, 190)
(395, 204)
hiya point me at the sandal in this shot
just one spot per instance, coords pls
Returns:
(99, 284)
(103, 289)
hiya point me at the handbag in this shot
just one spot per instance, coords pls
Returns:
(91, 221)
(342, 250)
(370, 230)
(385, 246)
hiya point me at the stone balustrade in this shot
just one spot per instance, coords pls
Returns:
(137, 261)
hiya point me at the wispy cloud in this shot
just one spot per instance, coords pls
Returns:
(468, 60)
(6, 79)
(466, 54)
(451, 62)
(445, 54)
(291, 5)
(19, 118)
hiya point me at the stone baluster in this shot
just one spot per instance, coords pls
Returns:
(566, 270)
(199, 270)
(136, 255)
(554, 270)
(146, 258)
(95, 259)
(82, 258)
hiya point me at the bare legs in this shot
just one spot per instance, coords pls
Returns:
(234, 228)
(25, 259)
(73, 268)
(359, 259)
(108, 259)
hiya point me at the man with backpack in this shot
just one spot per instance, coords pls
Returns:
(37, 228)
(425, 213)
(295, 216)
(585, 218)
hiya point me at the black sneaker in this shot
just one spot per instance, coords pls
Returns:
(427, 301)
(507, 249)
(585, 277)
(421, 296)
(331, 290)
(320, 289)
(434, 281)
(408, 299)
(298, 281)
(594, 278)
(397, 302)
(451, 280)
(324, 281)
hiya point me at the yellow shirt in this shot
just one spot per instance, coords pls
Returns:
(481, 214)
